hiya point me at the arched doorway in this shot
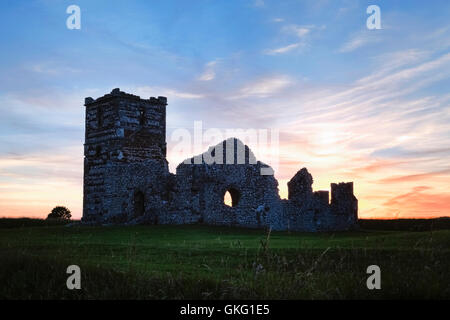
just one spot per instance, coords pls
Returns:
(139, 204)
(231, 197)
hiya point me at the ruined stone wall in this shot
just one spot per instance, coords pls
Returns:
(344, 204)
(311, 211)
(122, 185)
(126, 178)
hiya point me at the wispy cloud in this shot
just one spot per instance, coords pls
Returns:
(259, 3)
(264, 87)
(374, 166)
(52, 69)
(361, 39)
(285, 49)
(298, 33)
(209, 72)
(146, 91)
(420, 203)
(416, 177)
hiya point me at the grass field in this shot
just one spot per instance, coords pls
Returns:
(201, 262)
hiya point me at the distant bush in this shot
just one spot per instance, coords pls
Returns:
(59, 213)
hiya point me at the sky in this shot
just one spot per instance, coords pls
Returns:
(348, 103)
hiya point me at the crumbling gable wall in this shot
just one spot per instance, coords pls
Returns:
(202, 184)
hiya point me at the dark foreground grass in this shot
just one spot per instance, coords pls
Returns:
(200, 262)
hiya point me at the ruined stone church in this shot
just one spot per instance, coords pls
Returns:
(127, 179)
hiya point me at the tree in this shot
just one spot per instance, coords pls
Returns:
(59, 213)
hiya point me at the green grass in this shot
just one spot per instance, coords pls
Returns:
(201, 262)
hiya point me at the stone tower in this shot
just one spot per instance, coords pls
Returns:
(124, 153)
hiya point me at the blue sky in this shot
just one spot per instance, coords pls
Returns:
(351, 104)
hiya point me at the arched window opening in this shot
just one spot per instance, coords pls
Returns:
(231, 197)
